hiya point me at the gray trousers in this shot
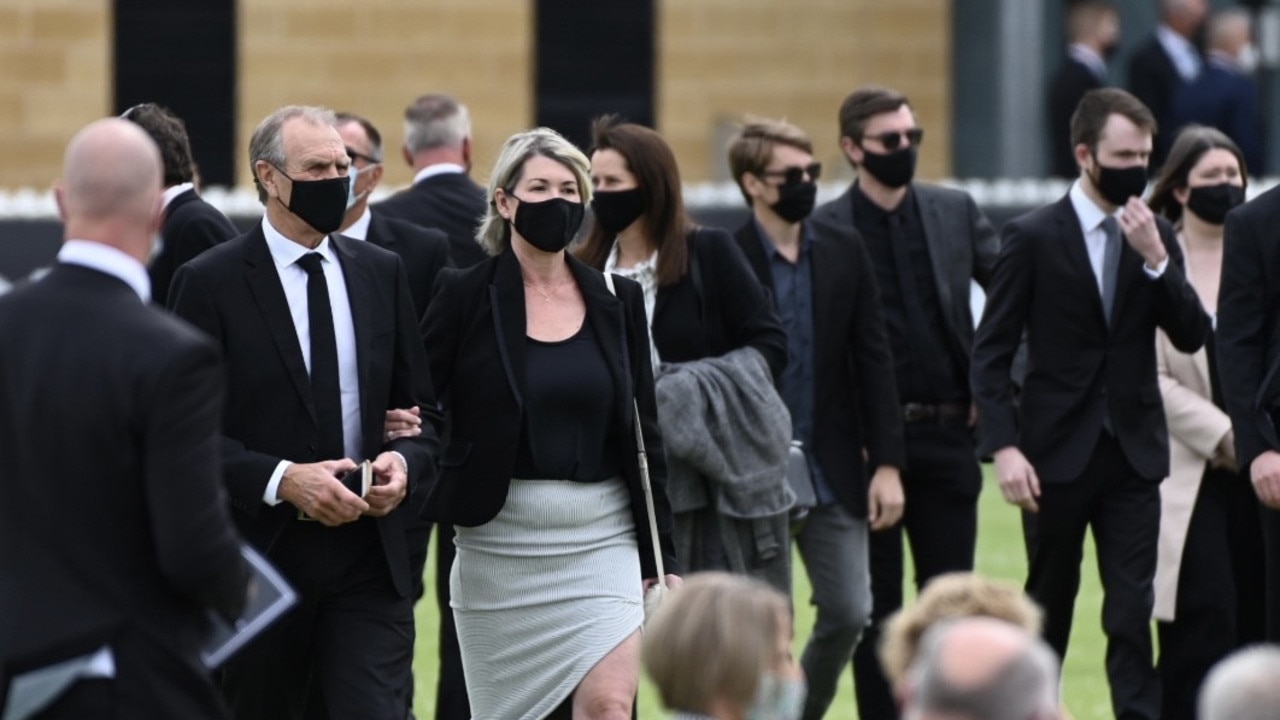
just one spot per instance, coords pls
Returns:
(833, 547)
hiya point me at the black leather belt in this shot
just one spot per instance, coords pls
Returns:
(935, 412)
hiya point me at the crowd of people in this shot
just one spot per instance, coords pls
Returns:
(575, 409)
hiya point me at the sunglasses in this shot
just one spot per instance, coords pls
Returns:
(361, 156)
(795, 174)
(892, 140)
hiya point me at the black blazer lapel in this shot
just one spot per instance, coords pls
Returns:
(1077, 255)
(935, 238)
(1129, 272)
(379, 234)
(268, 293)
(750, 241)
(608, 322)
(506, 297)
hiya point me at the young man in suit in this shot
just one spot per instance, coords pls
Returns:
(437, 145)
(1165, 63)
(1087, 280)
(320, 337)
(191, 225)
(927, 244)
(115, 536)
(838, 384)
(1094, 30)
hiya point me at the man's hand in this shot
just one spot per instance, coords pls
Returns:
(1018, 481)
(885, 500)
(390, 481)
(314, 488)
(1265, 473)
(402, 424)
(1139, 226)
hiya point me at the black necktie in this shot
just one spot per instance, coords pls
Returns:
(324, 360)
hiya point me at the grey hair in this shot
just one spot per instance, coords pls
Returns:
(434, 121)
(1024, 688)
(494, 235)
(1243, 686)
(267, 142)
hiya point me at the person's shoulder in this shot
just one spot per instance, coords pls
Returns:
(222, 256)
(1264, 208)
(941, 194)
(413, 232)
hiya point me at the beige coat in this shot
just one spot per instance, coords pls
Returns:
(1196, 427)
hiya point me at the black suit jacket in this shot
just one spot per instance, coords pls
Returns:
(423, 252)
(962, 247)
(450, 202)
(233, 292)
(1155, 81)
(1071, 81)
(114, 527)
(855, 394)
(1079, 368)
(191, 226)
(474, 331)
(1248, 331)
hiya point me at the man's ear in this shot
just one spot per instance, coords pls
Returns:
(851, 150)
(1082, 154)
(408, 156)
(59, 197)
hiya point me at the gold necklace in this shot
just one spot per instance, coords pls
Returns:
(546, 294)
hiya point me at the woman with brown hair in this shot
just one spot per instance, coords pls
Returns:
(1209, 571)
(702, 302)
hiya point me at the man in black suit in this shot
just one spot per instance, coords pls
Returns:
(1088, 279)
(927, 245)
(1248, 350)
(437, 146)
(1093, 27)
(1165, 63)
(321, 339)
(838, 384)
(115, 536)
(423, 251)
(191, 225)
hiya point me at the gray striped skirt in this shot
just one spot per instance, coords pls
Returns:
(543, 592)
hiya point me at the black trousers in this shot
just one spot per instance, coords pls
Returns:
(941, 484)
(1220, 603)
(92, 699)
(348, 643)
(1123, 511)
(1271, 550)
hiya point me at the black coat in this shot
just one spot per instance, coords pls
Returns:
(1070, 82)
(114, 527)
(450, 202)
(855, 394)
(191, 226)
(423, 252)
(1155, 81)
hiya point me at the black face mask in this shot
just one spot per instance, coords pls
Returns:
(1211, 203)
(548, 225)
(1117, 185)
(894, 169)
(616, 210)
(795, 201)
(319, 203)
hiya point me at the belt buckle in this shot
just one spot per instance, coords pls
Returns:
(915, 412)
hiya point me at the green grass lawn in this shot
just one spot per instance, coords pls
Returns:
(1000, 555)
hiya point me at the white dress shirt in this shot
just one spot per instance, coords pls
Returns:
(1095, 237)
(645, 273)
(109, 260)
(438, 169)
(172, 192)
(1185, 57)
(285, 253)
(359, 229)
(1086, 56)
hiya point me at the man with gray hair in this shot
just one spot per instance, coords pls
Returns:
(1165, 63)
(980, 668)
(1243, 686)
(437, 145)
(320, 338)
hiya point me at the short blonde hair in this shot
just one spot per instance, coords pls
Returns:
(950, 596)
(751, 148)
(494, 234)
(714, 638)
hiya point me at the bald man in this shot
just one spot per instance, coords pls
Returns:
(115, 535)
(981, 668)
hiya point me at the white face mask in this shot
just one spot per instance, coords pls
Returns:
(1249, 58)
(354, 175)
(779, 698)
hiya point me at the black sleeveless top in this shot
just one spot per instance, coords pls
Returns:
(569, 430)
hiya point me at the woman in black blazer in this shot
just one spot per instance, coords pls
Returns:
(539, 366)
(701, 298)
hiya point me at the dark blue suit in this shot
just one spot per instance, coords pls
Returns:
(1227, 99)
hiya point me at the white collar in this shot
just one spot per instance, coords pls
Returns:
(611, 262)
(172, 192)
(1087, 211)
(438, 169)
(359, 229)
(285, 252)
(1088, 57)
(106, 259)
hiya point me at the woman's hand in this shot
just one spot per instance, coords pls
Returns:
(402, 423)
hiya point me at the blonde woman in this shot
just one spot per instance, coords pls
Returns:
(538, 365)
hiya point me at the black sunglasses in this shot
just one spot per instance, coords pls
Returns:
(795, 174)
(892, 140)
(361, 156)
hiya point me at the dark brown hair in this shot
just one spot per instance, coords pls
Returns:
(1192, 143)
(170, 134)
(650, 159)
(751, 148)
(1097, 106)
(862, 105)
